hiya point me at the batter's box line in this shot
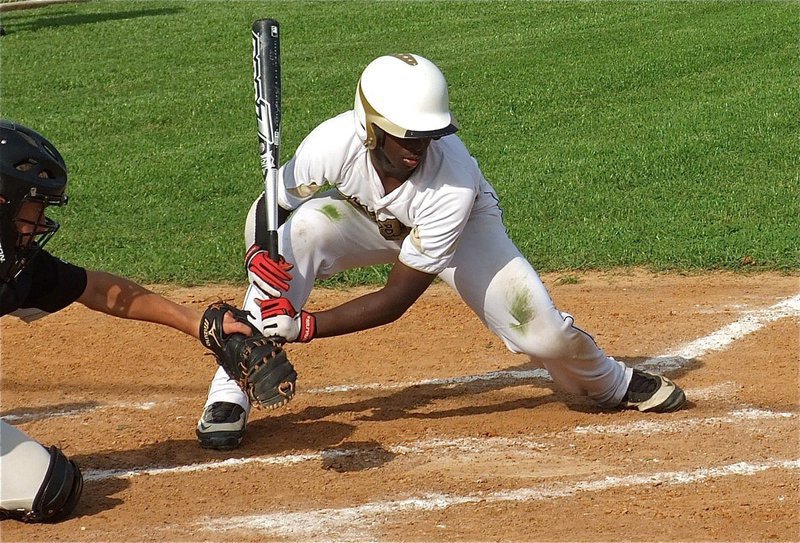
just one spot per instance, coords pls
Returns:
(675, 359)
(439, 446)
(749, 322)
(359, 522)
(19, 418)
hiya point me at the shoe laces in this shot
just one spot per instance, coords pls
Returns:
(642, 383)
(220, 412)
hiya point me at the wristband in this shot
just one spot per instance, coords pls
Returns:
(308, 327)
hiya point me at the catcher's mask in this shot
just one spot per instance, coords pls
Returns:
(404, 95)
(33, 175)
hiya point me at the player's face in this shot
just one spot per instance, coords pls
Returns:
(30, 221)
(401, 156)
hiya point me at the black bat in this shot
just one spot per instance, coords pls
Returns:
(267, 82)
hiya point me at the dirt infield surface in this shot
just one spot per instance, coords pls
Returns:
(428, 429)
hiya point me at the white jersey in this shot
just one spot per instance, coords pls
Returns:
(426, 214)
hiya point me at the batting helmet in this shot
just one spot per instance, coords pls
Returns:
(404, 95)
(31, 170)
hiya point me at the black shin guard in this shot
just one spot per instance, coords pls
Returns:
(58, 495)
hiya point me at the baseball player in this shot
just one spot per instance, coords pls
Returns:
(407, 192)
(38, 483)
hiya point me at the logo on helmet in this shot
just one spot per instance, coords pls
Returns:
(407, 58)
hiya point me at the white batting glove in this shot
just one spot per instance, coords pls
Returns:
(279, 318)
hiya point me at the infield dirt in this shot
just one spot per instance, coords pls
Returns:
(429, 429)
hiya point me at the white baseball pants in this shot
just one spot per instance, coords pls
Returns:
(327, 235)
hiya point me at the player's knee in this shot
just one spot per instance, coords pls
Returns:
(56, 497)
(552, 339)
(310, 226)
(61, 489)
(545, 345)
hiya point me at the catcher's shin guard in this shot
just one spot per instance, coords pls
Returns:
(36, 484)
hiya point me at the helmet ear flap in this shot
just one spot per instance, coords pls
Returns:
(375, 137)
(366, 118)
(379, 137)
(371, 141)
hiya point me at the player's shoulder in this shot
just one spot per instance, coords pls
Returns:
(45, 264)
(335, 134)
(453, 163)
(49, 284)
(340, 126)
(454, 150)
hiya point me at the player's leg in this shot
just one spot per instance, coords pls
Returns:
(322, 237)
(36, 484)
(222, 422)
(506, 293)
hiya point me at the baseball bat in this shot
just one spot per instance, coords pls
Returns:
(267, 82)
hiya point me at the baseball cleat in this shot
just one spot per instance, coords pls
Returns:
(222, 426)
(652, 393)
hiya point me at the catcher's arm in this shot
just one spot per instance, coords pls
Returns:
(121, 297)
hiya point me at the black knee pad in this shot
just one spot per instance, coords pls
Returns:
(59, 493)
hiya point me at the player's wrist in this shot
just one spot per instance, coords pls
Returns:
(251, 252)
(307, 327)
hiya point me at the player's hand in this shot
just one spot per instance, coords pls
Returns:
(271, 277)
(279, 318)
(231, 326)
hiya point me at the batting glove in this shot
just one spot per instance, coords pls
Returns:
(271, 277)
(279, 318)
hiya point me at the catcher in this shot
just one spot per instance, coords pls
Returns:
(40, 483)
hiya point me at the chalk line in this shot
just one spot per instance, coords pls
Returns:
(648, 427)
(511, 375)
(25, 417)
(439, 446)
(748, 322)
(354, 523)
(469, 444)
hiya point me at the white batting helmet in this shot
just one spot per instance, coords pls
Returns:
(406, 96)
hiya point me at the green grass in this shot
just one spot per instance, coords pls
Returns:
(656, 134)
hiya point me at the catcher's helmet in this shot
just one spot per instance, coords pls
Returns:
(31, 170)
(404, 95)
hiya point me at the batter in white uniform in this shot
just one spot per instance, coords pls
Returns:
(407, 192)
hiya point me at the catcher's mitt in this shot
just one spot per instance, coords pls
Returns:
(258, 364)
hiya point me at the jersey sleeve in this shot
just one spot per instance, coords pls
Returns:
(437, 228)
(54, 284)
(292, 192)
(318, 161)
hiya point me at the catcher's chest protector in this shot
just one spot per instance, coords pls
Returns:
(36, 484)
